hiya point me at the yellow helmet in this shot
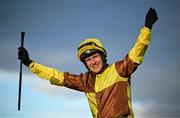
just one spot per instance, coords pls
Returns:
(90, 46)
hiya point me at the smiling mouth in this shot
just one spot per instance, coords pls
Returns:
(95, 66)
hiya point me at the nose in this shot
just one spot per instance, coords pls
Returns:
(93, 61)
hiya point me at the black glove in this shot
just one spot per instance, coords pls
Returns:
(151, 18)
(24, 56)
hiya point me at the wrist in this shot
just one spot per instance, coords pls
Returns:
(27, 62)
(148, 25)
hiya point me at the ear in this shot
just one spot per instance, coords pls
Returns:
(84, 62)
(103, 57)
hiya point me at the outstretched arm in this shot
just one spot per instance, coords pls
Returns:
(54, 76)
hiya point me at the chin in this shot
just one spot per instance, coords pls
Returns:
(96, 71)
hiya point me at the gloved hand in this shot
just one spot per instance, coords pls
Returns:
(24, 56)
(151, 18)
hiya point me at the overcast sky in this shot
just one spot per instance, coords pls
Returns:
(54, 28)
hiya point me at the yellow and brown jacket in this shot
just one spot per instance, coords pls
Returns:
(108, 93)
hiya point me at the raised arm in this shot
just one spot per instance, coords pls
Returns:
(136, 54)
(127, 66)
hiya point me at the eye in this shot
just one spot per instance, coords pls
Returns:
(96, 56)
(87, 59)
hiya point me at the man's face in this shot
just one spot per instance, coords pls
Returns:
(94, 62)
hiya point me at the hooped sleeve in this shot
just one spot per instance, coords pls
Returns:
(136, 54)
(54, 76)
